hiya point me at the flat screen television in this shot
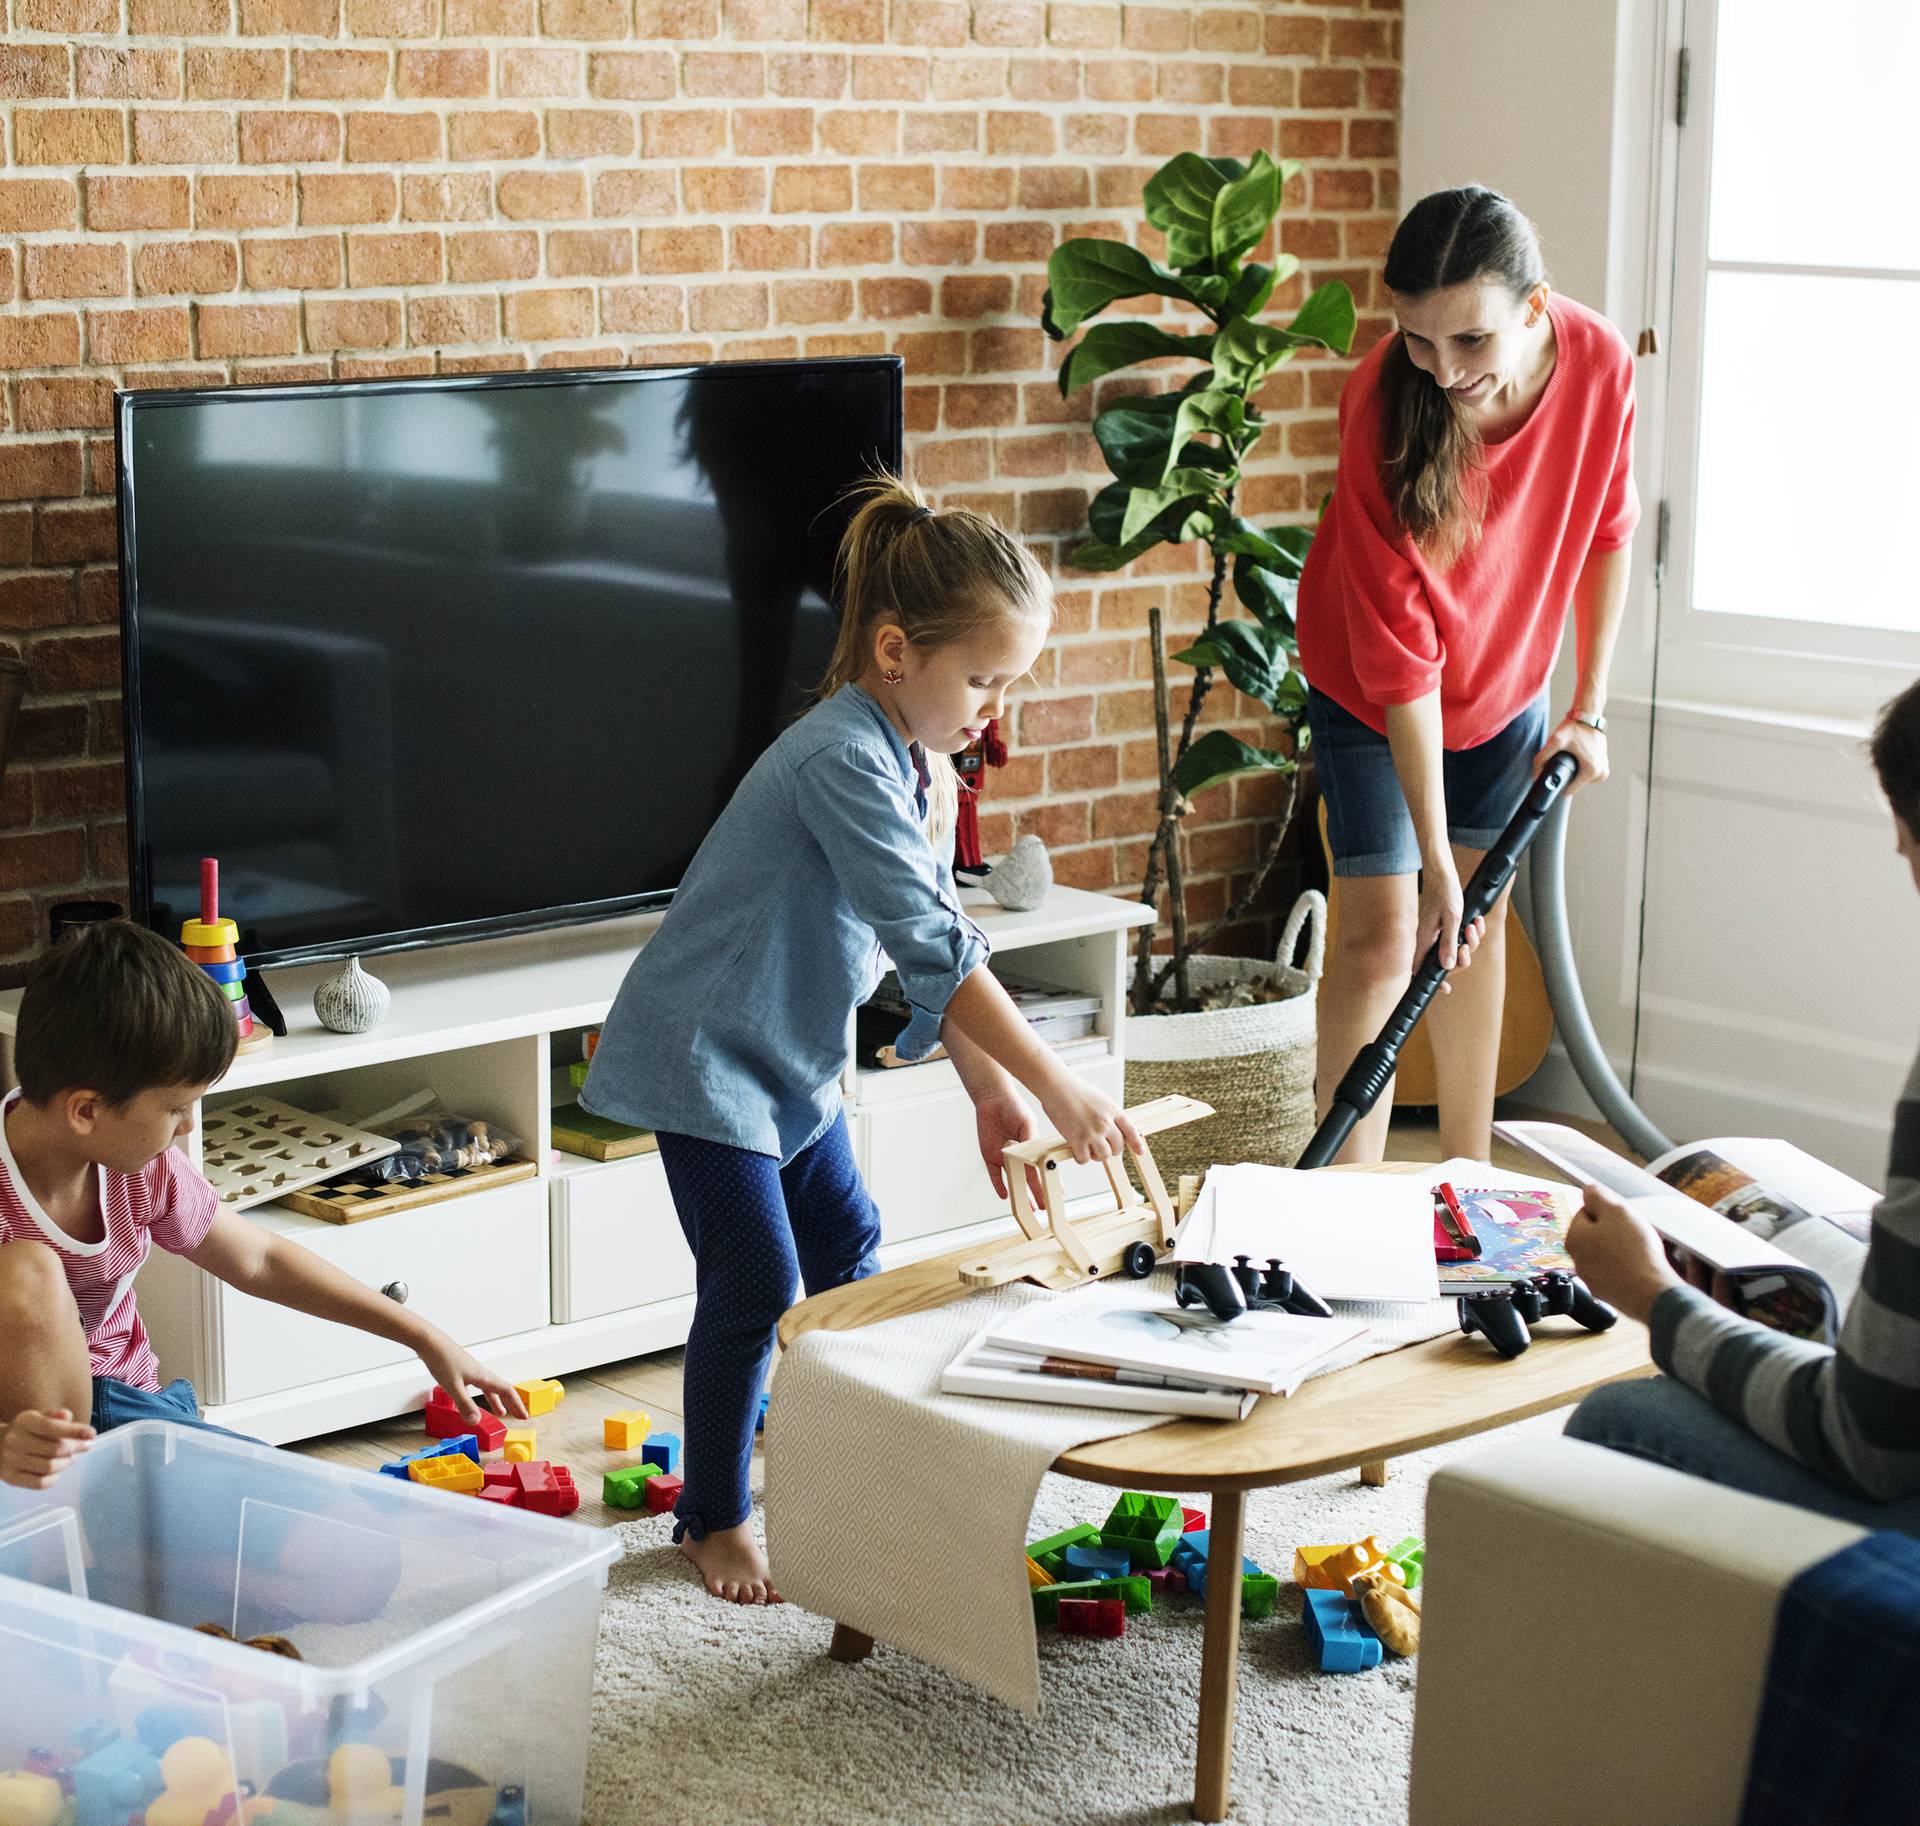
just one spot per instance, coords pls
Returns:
(430, 660)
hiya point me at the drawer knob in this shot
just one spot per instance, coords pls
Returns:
(396, 1291)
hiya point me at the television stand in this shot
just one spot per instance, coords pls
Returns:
(260, 1001)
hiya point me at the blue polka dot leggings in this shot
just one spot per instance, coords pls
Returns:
(757, 1230)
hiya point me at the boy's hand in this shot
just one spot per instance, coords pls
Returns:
(1089, 1121)
(459, 1372)
(37, 1447)
(1618, 1255)
(1000, 1121)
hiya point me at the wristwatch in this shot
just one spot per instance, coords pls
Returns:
(1598, 723)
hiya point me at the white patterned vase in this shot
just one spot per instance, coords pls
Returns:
(351, 1001)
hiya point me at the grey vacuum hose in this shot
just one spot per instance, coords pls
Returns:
(1547, 884)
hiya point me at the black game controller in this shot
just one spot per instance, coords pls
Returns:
(1228, 1292)
(1505, 1315)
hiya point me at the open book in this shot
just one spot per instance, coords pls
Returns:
(1789, 1245)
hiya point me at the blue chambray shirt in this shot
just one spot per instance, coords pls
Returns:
(732, 1023)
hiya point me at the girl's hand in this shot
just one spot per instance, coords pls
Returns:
(1089, 1121)
(1437, 922)
(1619, 1256)
(1000, 1121)
(37, 1447)
(1587, 746)
(459, 1372)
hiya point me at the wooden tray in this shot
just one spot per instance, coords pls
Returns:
(354, 1204)
(254, 1149)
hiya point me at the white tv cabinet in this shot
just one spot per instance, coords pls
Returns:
(584, 1263)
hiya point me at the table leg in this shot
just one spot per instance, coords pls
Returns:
(1220, 1656)
(848, 1644)
(1374, 1473)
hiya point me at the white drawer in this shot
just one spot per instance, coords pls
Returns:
(616, 1240)
(476, 1266)
(922, 1161)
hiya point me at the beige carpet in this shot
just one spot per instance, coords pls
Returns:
(706, 1713)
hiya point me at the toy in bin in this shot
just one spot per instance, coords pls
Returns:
(213, 944)
(434, 1141)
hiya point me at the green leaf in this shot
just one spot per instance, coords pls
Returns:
(1266, 595)
(1084, 276)
(1244, 209)
(1109, 346)
(1255, 659)
(1215, 412)
(1218, 756)
(1145, 505)
(1180, 203)
(1248, 295)
(1106, 515)
(1245, 353)
(1278, 548)
(1098, 555)
(1326, 318)
(1136, 436)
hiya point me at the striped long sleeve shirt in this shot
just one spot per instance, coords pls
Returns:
(1852, 1413)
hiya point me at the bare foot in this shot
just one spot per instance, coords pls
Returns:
(731, 1563)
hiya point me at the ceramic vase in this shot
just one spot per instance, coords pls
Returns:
(351, 1001)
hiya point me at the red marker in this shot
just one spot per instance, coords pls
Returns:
(209, 889)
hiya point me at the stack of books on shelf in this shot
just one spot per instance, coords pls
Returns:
(1119, 1348)
(1063, 1018)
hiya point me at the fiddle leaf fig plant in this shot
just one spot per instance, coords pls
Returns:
(1177, 458)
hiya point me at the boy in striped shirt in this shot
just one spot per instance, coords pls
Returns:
(118, 1037)
(1835, 1430)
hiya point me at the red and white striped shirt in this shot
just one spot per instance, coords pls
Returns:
(166, 1202)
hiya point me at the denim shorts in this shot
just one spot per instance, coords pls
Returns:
(117, 1404)
(1370, 830)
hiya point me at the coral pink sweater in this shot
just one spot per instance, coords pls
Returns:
(1379, 626)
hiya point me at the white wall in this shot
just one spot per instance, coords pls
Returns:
(1780, 986)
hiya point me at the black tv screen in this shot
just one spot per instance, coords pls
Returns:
(425, 660)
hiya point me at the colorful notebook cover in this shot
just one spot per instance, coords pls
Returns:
(1520, 1234)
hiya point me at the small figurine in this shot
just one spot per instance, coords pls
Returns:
(971, 764)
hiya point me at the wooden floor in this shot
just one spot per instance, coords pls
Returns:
(571, 1434)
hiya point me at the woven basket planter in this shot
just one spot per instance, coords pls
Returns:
(1254, 1065)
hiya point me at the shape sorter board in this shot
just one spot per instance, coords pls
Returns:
(256, 1150)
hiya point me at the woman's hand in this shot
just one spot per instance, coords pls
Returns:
(459, 1372)
(1089, 1121)
(1437, 921)
(1619, 1256)
(1001, 1120)
(1586, 744)
(37, 1447)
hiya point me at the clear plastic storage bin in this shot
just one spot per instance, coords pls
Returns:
(446, 1645)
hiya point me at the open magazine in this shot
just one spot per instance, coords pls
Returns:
(1784, 1231)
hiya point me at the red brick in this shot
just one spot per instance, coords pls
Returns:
(246, 329)
(1083, 769)
(681, 250)
(277, 136)
(935, 22)
(282, 373)
(1009, 24)
(290, 18)
(679, 18)
(1329, 88)
(1156, 28)
(66, 17)
(1091, 868)
(580, 253)
(998, 350)
(352, 323)
(291, 263)
(79, 534)
(215, 73)
(969, 408)
(541, 196)
(1054, 187)
(633, 193)
(392, 18)
(107, 852)
(976, 186)
(642, 309)
(816, 189)
(631, 75)
(1087, 27)
(38, 203)
(330, 199)
(1019, 243)
(930, 352)
(493, 133)
(525, 70)
(1373, 139)
(400, 259)
(723, 189)
(586, 19)
(1294, 37)
(466, 317)
(755, 21)
(850, 21)
(1049, 78)
(1054, 510)
(339, 75)
(450, 196)
(74, 269)
(153, 333)
(490, 19)
(41, 599)
(393, 139)
(182, 136)
(882, 78)
(809, 75)
(969, 79)
(1055, 721)
(78, 792)
(44, 731)
(146, 75)
(738, 75)
(890, 298)
(855, 244)
(491, 361)
(45, 859)
(427, 75)
(65, 403)
(186, 266)
(682, 132)
(480, 255)
(68, 136)
(579, 133)
(1260, 86)
(951, 131)
(75, 663)
(1342, 189)
(813, 300)
(547, 315)
(1193, 84)
(938, 243)
(38, 471)
(1018, 135)
(1057, 825)
(757, 248)
(739, 305)
(859, 132)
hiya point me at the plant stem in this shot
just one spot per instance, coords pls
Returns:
(1166, 842)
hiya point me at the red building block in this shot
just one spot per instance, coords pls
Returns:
(500, 1477)
(663, 1492)
(1091, 1617)
(547, 1488)
(1196, 1519)
(443, 1417)
(490, 1430)
(499, 1493)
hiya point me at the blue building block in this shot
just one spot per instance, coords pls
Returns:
(1092, 1562)
(663, 1449)
(467, 1443)
(118, 1779)
(1342, 1640)
(760, 1419)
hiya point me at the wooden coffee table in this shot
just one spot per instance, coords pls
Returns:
(1355, 1419)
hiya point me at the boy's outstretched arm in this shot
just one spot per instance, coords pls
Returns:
(271, 1268)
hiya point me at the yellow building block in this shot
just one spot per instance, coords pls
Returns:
(447, 1471)
(625, 1431)
(1329, 1568)
(541, 1395)
(1037, 1574)
(519, 1445)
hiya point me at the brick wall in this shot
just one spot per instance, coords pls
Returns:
(199, 192)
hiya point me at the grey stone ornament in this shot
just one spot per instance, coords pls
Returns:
(1021, 878)
(351, 1001)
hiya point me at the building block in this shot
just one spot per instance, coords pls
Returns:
(1329, 1568)
(499, 1477)
(760, 1419)
(119, 1778)
(1067, 1537)
(547, 1488)
(1047, 1598)
(623, 1432)
(663, 1491)
(1410, 1556)
(1037, 1574)
(1259, 1594)
(663, 1449)
(490, 1430)
(1092, 1562)
(1192, 1520)
(1176, 1580)
(627, 1487)
(1341, 1639)
(499, 1493)
(465, 1446)
(1102, 1617)
(519, 1444)
(449, 1471)
(541, 1396)
(1146, 1527)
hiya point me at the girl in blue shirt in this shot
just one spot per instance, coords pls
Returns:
(729, 1036)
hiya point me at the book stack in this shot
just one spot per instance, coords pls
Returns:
(1119, 1348)
(1062, 1018)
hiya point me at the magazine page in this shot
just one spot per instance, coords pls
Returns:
(1767, 1185)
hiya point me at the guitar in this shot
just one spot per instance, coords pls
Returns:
(1526, 1022)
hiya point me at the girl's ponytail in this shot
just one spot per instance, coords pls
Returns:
(1432, 470)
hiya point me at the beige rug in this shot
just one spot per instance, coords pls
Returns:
(703, 1712)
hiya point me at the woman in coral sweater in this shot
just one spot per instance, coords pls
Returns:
(1485, 486)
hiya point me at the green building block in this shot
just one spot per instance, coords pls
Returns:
(627, 1487)
(1145, 1528)
(1410, 1556)
(1133, 1591)
(1067, 1537)
(1259, 1593)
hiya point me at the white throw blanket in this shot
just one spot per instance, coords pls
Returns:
(902, 1512)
